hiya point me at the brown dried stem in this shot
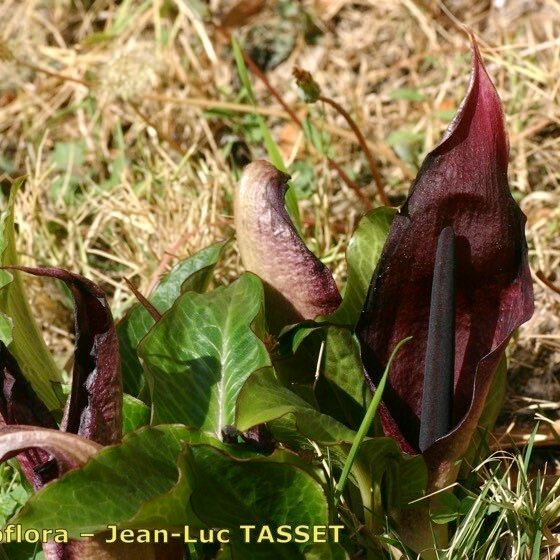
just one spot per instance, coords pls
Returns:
(363, 145)
(548, 283)
(352, 185)
(144, 302)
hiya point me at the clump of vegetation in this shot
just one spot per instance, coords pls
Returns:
(247, 405)
(258, 384)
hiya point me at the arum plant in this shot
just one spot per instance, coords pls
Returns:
(453, 275)
(222, 433)
(92, 417)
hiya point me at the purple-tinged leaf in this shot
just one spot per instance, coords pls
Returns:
(95, 548)
(70, 451)
(94, 409)
(66, 452)
(462, 184)
(20, 405)
(298, 285)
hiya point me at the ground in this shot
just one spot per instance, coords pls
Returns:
(128, 121)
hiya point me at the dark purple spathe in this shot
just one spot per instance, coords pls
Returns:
(462, 184)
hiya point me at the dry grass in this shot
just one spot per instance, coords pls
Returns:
(122, 117)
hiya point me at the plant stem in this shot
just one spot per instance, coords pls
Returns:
(549, 284)
(146, 304)
(211, 104)
(366, 423)
(272, 90)
(363, 145)
(352, 185)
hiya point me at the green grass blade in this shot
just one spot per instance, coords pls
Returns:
(366, 423)
(18, 328)
(536, 549)
(529, 449)
(242, 69)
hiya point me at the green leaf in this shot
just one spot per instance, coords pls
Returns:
(200, 353)
(367, 421)
(407, 143)
(170, 476)
(171, 508)
(193, 273)
(263, 399)
(406, 480)
(21, 551)
(13, 493)
(362, 255)
(388, 480)
(294, 421)
(292, 337)
(260, 492)
(18, 329)
(118, 484)
(135, 414)
(445, 508)
(497, 393)
(341, 390)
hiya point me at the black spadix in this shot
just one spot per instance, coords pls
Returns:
(439, 365)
